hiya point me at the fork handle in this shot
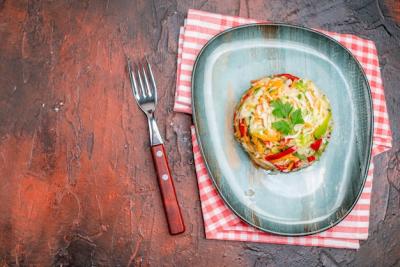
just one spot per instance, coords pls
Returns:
(167, 188)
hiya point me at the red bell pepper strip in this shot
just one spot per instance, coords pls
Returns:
(281, 154)
(242, 128)
(316, 145)
(310, 158)
(289, 76)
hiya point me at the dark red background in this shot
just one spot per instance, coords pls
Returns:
(77, 183)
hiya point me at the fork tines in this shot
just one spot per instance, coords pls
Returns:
(142, 80)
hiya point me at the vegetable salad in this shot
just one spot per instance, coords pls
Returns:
(283, 122)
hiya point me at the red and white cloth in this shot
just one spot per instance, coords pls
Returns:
(220, 222)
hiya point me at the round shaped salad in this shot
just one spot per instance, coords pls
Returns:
(283, 122)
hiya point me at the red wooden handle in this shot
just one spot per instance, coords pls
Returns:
(167, 188)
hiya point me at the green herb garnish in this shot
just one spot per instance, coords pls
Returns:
(291, 118)
(296, 118)
(281, 110)
(282, 126)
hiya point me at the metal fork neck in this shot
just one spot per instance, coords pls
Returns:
(155, 136)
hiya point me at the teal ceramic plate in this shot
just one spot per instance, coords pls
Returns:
(299, 203)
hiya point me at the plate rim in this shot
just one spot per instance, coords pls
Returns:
(199, 142)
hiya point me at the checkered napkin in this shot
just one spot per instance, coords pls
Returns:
(220, 222)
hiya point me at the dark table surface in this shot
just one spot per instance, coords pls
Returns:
(77, 183)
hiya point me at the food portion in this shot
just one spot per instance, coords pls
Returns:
(283, 122)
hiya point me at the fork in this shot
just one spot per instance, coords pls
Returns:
(145, 92)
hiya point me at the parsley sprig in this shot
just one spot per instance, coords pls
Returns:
(290, 117)
(281, 110)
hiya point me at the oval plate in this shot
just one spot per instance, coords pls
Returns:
(299, 203)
